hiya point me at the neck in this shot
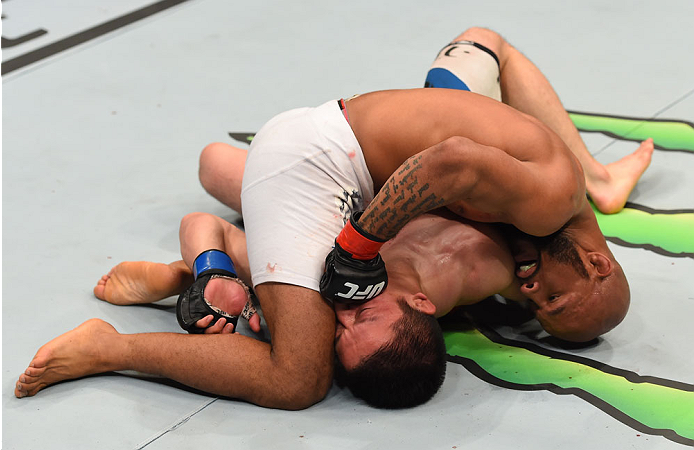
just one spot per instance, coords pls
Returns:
(450, 260)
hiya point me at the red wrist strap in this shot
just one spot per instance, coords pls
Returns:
(359, 246)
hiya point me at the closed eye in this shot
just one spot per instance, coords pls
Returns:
(364, 316)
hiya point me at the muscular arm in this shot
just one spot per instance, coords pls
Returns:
(478, 182)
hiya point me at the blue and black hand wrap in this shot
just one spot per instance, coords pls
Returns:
(192, 305)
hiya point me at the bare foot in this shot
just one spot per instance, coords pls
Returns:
(143, 282)
(611, 191)
(74, 354)
(231, 297)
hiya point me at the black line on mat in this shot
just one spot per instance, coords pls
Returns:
(650, 210)
(616, 413)
(602, 405)
(86, 35)
(649, 247)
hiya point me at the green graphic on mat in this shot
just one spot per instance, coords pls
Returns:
(672, 135)
(659, 409)
(661, 232)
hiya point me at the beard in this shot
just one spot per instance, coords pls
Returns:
(561, 248)
(557, 246)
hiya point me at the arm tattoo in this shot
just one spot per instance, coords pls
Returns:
(402, 198)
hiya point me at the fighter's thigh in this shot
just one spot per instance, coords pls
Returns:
(302, 329)
(221, 172)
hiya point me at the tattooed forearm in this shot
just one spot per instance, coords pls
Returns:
(403, 197)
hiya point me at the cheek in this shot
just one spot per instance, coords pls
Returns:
(347, 359)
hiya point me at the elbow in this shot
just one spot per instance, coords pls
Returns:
(452, 157)
(455, 168)
(452, 150)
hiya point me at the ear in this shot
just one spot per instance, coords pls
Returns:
(421, 303)
(602, 264)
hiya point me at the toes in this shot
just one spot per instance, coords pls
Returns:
(26, 386)
(19, 392)
(34, 372)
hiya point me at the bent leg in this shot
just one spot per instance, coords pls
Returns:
(200, 232)
(221, 173)
(294, 373)
(526, 89)
(138, 282)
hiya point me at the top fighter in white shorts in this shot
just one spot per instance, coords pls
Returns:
(305, 173)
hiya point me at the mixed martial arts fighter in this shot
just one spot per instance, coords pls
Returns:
(493, 163)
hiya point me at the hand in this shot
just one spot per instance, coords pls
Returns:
(222, 327)
(215, 279)
(354, 270)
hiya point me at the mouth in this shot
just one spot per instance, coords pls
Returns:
(525, 269)
(339, 329)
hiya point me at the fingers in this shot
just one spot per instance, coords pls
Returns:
(254, 322)
(204, 322)
(220, 327)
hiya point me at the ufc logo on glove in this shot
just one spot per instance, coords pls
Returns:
(354, 263)
(370, 292)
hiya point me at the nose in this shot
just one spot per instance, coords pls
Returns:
(530, 287)
(344, 315)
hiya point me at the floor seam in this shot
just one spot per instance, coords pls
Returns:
(175, 425)
(658, 113)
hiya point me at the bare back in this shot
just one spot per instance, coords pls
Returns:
(393, 125)
(518, 166)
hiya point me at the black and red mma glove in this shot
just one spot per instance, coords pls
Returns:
(354, 270)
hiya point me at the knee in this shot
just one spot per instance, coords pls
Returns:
(489, 38)
(482, 36)
(306, 388)
(194, 219)
(208, 163)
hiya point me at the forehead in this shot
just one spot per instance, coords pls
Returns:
(352, 349)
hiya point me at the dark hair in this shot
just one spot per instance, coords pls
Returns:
(405, 372)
